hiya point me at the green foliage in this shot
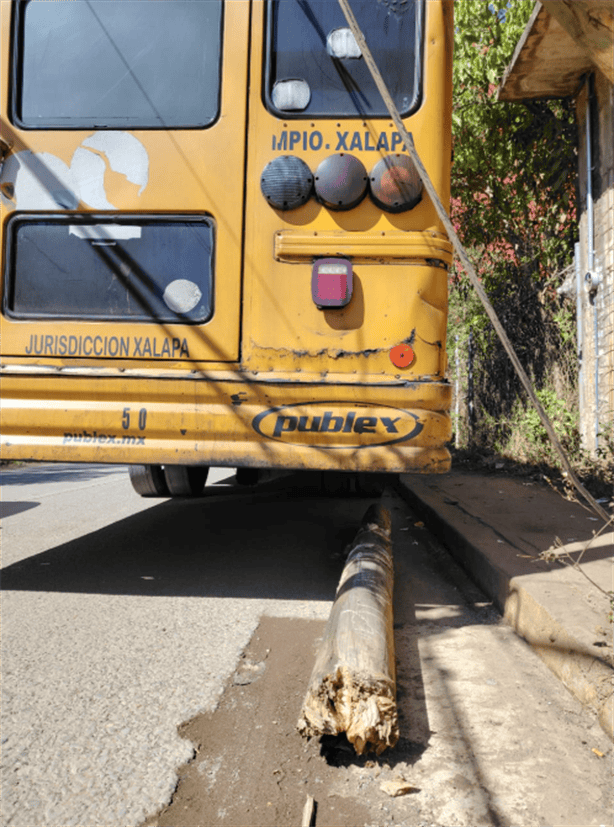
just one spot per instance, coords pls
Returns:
(605, 452)
(513, 196)
(513, 205)
(529, 441)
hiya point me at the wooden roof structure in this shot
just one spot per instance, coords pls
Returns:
(562, 41)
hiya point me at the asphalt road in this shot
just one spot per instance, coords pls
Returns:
(123, 618)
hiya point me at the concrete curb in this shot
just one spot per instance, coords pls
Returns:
(541, 605)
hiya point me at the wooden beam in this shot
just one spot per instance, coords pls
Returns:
(547, 61)
(352, 688)
(590, 23)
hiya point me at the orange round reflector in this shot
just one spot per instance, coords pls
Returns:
(402, 356)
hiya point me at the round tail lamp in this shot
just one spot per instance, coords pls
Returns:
(395, 184)
(286, 182)
(341, 182)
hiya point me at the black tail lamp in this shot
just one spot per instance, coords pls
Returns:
(286, 182)
(341, 182)
(395, 184)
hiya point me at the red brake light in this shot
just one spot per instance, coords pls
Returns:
(331, 282)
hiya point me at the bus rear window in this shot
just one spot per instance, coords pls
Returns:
(109, 268)
(315, 69)
(109, 63)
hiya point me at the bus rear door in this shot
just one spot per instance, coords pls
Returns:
(122, 200)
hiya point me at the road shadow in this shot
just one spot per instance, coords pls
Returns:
(36, 473)
(275, 541)
(9, 509)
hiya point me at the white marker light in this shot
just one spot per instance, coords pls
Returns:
(342, 44)
(289, 95)
(182, 295)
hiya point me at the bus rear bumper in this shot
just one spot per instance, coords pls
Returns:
(227, 422)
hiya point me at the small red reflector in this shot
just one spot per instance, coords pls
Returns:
(402, 356)
(331, 282)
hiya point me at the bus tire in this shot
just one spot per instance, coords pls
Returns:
(247, 476)
(352, 484)
(148, 480)
(370, 485)
(185, 480)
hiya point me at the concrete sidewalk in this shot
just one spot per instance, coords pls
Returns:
(497, 527)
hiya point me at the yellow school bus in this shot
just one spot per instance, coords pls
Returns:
(215, 247)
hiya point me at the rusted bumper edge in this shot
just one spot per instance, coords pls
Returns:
(229, 423)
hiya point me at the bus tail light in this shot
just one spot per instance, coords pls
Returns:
(341, 182)
(395, 184)
(331, 282)
(286, 182)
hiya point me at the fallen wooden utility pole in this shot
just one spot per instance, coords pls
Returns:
(352, 688)
(460, 251)
(308, 812)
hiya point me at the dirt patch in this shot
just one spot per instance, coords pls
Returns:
(596, 476)
(487, 736)
(251, 766)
